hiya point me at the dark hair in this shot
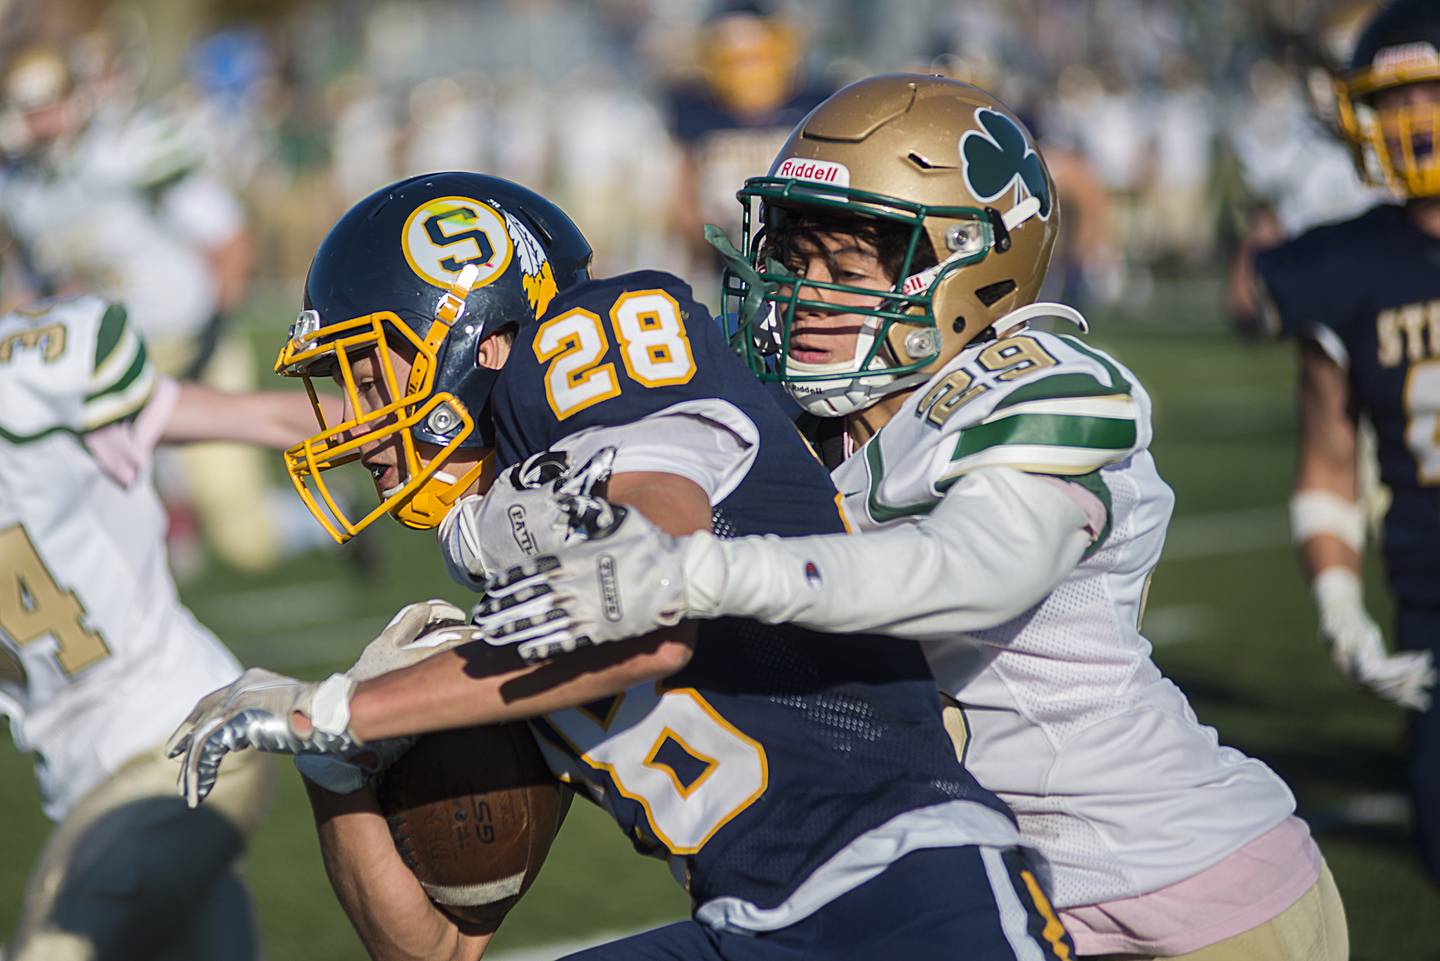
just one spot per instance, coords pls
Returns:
(791, 234)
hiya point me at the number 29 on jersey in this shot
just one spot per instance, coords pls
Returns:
(654, 348)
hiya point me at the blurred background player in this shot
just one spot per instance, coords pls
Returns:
(98, 659)
(751, 89)
(1293, 162)
(104, 193)
(1363, 298)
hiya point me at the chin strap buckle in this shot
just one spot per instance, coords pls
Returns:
(452, 303)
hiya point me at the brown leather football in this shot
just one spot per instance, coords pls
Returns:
(473, 813)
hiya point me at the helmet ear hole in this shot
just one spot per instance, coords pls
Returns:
(992, 294)
(959, 324)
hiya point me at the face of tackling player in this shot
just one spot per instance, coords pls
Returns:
(832, 265)
(408, 305)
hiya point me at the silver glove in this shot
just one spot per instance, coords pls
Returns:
(417, 631)
(255, 711)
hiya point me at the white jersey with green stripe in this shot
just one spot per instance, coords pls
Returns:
(99, 661)
(1068, 718)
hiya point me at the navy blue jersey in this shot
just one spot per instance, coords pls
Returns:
(1373, 283)
(726, 147)
(775, 747)
(695, 114)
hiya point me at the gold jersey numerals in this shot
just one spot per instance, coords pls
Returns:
(33, 606)
(1001, 362)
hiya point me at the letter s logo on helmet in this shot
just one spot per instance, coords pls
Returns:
(420, 273)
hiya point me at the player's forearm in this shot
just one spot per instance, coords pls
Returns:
(991, 549)
(467, 686)
(389, 909)
(274, 419)
(457, 689)
(1325, 516)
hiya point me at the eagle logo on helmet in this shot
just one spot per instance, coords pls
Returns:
(1000, 158)
(537, 277)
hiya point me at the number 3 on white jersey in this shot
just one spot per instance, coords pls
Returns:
(690, 769)
(653, 346)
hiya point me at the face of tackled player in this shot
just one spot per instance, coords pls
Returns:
(373, 412)
(384, 456)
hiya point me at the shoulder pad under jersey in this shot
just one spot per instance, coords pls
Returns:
(72, 364)
(1032, 401)
(1311, 280)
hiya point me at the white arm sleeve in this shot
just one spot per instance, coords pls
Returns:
(710, 442)
(998, 542)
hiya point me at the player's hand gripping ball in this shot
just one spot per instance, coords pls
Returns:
(473, 813)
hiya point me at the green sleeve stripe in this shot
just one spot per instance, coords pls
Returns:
(1047, 430)
(133, 373)
(112, 328)
(120, 405)
(883, 513)
(17, 439)
(1117, 379)
(1059, 387)
(1095, 484)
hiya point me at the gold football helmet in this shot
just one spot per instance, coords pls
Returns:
(1397, 146)
(942, 159)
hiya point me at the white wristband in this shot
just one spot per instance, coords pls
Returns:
(1315, 512)
(1337, 587)
(330, 706)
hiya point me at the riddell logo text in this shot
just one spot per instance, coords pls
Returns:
(819, 171)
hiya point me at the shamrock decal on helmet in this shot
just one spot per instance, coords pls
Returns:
(996, 158)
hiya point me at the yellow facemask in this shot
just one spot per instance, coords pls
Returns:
(1397, 147)
(427, 492)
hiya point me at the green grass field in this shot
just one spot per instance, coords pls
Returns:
(1229, 615)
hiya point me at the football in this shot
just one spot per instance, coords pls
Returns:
(473, 813)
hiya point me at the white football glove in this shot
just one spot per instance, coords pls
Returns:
(1357, 644)
(255, 711)
(517, 519)
(417, 631)
(623, 580)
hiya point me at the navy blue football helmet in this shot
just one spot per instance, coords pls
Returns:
(421, 272)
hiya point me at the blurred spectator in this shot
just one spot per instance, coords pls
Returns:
(106, 195)
(729, 125)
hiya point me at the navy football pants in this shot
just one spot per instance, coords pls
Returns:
(1418, 629)
(939, 903)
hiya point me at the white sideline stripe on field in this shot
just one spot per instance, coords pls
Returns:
(294, 605)
(1178, 623)
(1223, 533)
(559, 949)
(1363, 810)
